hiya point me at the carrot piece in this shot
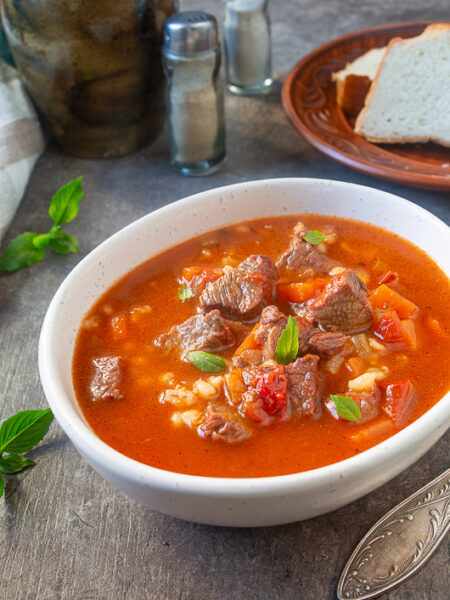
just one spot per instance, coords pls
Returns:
(409, 332)
(385, 297)
(301, 292)
(249, 343)
(234, 385)
(355, 365)
(198, 277)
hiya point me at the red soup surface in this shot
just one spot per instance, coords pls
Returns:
(371, 315)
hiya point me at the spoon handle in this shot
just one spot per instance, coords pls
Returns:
(399, 543)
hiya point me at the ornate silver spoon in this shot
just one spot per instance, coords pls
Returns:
(399, 543)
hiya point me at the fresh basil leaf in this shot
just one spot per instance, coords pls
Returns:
(21, 252)
(64, 205)
(41, 241)
(185, 292)
(287, 345)
(315, 237)
(14, 463)
(2, 486)
(206, 361)
(24, 430)
(346, 408)
(63, 243)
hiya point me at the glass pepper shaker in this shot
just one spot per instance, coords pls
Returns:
(248, 46)
(191, 59)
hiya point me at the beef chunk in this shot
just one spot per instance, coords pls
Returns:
(241, 293)
(221, 423)
(310, 338)
(326, 343)
(105, 383)
(342, 305)
(368, 402)
(304, 385)
(274, 390)
(258, 263)
(270, 327)
(209, 332)
(301, 255)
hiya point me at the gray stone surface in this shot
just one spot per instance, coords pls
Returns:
(64, 532)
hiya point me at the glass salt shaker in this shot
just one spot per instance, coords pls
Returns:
(191, 59)
(248, 47)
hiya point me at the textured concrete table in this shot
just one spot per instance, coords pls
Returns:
(64, 532)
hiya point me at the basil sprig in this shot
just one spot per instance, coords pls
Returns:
(185, 292)
(315, 237)
(287, 345)
(206, 361)
(29, 247)
(18, 434)
(346, 408)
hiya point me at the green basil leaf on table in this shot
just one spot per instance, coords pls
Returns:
(206, 361)
(22, 431)
(185, 292)
(21, 252)
(315, 237)
(346, 408)
(2, 486)
(29, 248)
(287, 345)
(14, 463)
(64, 205)
(63, 243)
(41, 240)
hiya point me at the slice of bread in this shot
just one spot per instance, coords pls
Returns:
(409, 99)
(353, 82)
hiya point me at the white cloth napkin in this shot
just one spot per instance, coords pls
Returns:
(21, 142)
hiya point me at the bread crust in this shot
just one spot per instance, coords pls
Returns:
(436, 28)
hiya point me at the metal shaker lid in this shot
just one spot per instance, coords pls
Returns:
(190, 32)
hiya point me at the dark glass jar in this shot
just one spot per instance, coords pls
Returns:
(93, 69)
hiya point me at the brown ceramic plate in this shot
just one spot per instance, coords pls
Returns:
(309, 100)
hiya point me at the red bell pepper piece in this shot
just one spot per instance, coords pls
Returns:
(272, 389)
(398, 401)
(389, 277)
(389, 327)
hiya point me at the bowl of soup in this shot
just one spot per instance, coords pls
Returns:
(256, 354)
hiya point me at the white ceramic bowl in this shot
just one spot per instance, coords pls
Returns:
(234, 502)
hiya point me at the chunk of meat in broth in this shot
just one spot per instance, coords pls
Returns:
(209, 332)
(327, 343)
(342, 305)
(310, 338)
(241, 293)
(304, 385)
(105, 383)
(302, 256)
(277, 392)
(221, 423)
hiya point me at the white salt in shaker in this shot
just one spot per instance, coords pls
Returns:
(248, 46)
(191, 59)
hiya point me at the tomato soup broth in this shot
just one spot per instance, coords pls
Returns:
(128, 318)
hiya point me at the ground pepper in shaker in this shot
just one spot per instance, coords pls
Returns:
(248, 46)
(191, 59)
